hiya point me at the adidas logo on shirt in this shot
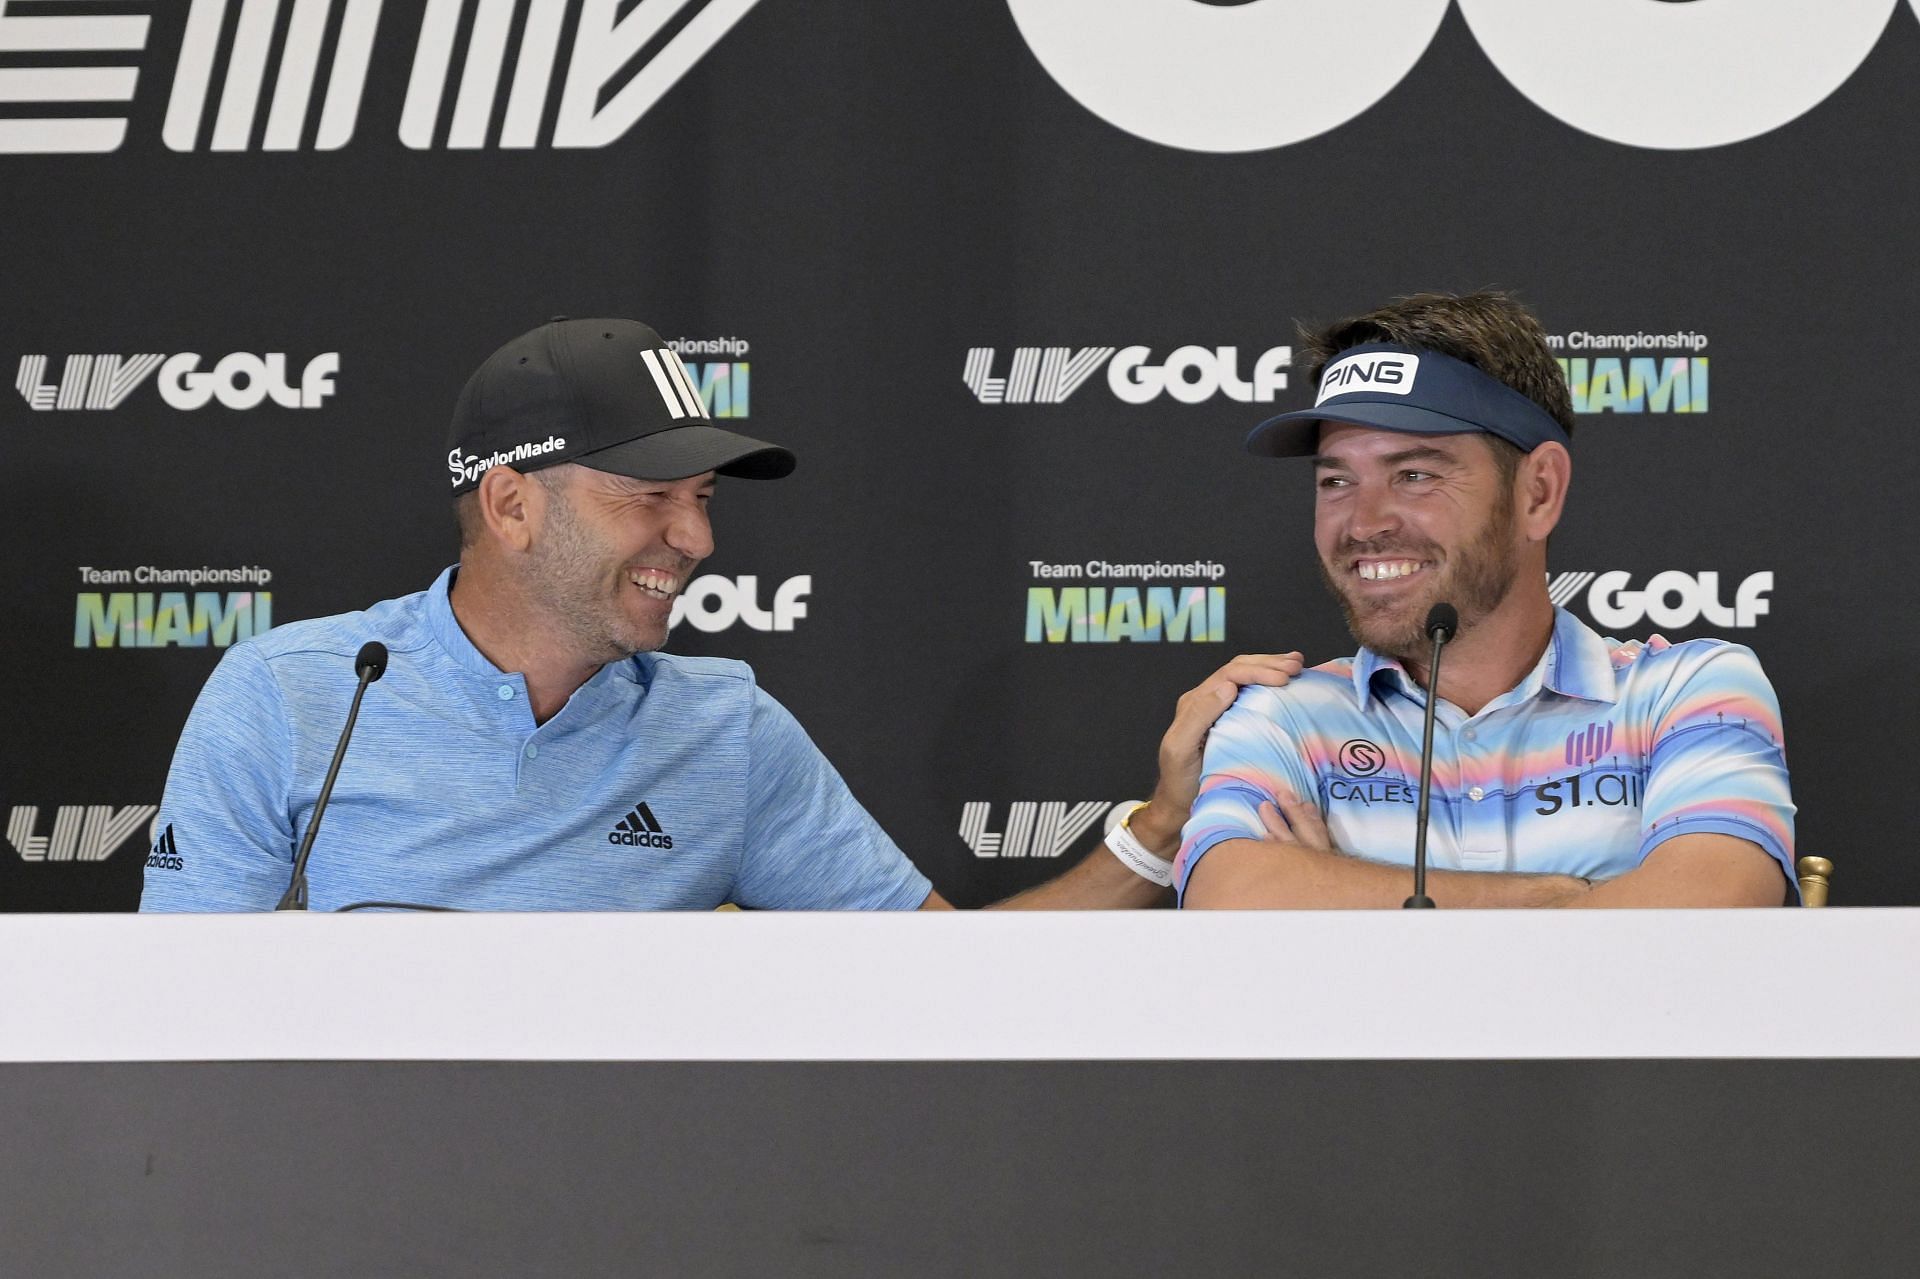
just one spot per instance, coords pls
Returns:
(640, 829)
(166, 852)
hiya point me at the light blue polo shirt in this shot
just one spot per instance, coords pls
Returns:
(1602, 753)
(664, 783)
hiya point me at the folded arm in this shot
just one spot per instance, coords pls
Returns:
(1697, 870)
(1297, 867)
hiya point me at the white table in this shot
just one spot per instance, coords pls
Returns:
(961, 987)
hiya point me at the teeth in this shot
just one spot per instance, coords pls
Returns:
(659, 585)
(1387, 570)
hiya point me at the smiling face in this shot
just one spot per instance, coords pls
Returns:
(1403, 521)
(612, 554)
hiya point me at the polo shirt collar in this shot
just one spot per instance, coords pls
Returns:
(446, 630)
(1366, 665)
(453, 641)
(1577, 663)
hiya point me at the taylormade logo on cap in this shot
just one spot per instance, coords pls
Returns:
(605, 393)
(471, 467)
(1382, 372)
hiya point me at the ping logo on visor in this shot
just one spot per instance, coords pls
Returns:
(1422, 392)
(1382, 372)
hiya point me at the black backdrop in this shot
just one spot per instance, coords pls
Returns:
(864, 194)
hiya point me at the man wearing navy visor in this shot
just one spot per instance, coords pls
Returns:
(1569, 769)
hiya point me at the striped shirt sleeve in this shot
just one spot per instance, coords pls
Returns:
(1250, 759)
(1718, 762)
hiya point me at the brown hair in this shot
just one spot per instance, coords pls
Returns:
(1491, 330)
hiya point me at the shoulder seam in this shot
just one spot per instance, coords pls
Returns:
(346, 650)
(709, 667)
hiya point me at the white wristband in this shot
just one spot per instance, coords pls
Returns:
(1133, 854)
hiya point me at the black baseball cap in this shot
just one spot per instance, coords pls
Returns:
(608, 394)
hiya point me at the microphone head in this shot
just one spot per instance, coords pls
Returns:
(373, 657)
(1443, 622)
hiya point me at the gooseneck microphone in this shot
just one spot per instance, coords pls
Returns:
(1443, 620)
(369, 664)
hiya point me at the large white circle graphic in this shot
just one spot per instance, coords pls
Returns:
(1243, 77)
(1677, 77)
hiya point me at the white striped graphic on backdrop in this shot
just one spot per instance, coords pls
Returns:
(1033, 829)
(114, 378)
(246, 74)
(973, 829)
(1021, 377)
(1563, 589)
(81, 833)
(978, 376)
(1063, 372)
(86, 381)
(33, 372)
(610, 34)
(1037, 375)
(66, 85)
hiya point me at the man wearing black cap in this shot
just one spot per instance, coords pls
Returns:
(528, 749)
(1569, 770)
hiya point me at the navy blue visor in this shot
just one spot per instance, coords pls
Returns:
(1407, 388)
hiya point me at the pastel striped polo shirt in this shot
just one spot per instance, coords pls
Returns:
(1602, 753)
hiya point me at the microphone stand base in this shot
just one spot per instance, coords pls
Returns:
(1419, 901)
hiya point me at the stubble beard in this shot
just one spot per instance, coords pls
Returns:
(1475, 581)
(566, 581)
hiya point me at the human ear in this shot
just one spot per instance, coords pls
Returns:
(509, 506)
(1545, 475)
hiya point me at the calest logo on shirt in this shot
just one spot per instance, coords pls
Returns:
(640, 829)
(1360, 760)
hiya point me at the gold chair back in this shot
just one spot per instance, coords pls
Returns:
(1816, 874)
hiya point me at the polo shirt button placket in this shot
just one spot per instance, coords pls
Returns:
(529, 751)
(1470, 823)
(1480, 821)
